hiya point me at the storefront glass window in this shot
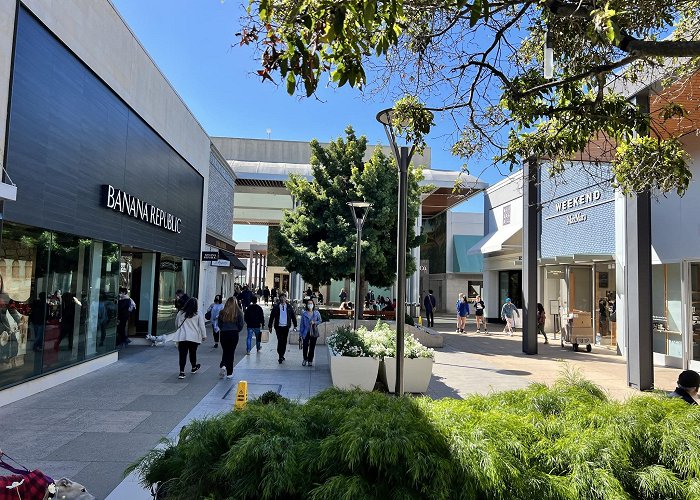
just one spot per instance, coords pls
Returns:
(695, 309)
(56, 300)
(510, 285)
(667, 309)
(174, 274)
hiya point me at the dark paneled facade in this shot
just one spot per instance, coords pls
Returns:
(70, 134)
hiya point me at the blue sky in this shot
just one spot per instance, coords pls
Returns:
(194, 44)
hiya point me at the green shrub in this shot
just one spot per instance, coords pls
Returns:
(567, 441)
(271, 397)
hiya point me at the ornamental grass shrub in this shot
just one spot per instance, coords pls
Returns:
(568, 441)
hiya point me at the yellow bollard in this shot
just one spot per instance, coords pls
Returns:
(241, 395)
(420, 320)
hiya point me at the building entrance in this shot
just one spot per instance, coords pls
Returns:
(136, 274)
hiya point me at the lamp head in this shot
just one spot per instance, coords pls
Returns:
(359, 209)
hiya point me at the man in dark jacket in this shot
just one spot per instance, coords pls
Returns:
(687, 387)
(429, 303)
(246, 297)
(254, 321)
(281, 317)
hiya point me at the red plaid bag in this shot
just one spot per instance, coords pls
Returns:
(30, 485)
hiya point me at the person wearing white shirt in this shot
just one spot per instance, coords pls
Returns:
(281, 317)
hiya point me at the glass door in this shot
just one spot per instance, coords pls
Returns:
(694, 324)
(580, 299)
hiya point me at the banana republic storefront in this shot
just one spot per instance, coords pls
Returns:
(103, 202)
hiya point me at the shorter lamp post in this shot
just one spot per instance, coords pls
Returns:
(359, 213)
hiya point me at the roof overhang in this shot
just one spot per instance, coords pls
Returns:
(505, 238)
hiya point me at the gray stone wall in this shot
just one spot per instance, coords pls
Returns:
(220, 201)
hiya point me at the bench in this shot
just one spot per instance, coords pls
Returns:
(388, 315)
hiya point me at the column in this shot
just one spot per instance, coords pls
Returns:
(249, 273)
(530, 240)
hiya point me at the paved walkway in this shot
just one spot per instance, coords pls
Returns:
(479, 363)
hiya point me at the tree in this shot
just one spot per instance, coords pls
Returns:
(481, 62)
(317, 238)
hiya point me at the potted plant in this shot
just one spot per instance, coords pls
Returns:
(352, 364)
(418, 359)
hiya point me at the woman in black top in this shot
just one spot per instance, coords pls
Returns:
(479, 308)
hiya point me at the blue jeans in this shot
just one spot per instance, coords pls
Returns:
(249, 339)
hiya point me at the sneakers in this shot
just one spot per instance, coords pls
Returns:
(229, 377)
(259, 348)
(247, 353)
(303, 363)
(181, 376)
(196, 368)
(546, 341)
(222, 372)
(309, 364)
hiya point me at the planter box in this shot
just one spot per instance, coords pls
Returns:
(353, 373)
(416, 374)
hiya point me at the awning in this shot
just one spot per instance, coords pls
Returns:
(495, 241)
(235, 262)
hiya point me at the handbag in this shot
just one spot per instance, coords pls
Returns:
(314, 331)
(207, 315)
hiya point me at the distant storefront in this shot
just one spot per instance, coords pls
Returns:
(103, 201)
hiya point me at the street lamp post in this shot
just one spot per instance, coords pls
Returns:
(403, 159)
(359, 213)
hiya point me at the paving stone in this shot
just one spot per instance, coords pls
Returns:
(98, 477)
(106, 447)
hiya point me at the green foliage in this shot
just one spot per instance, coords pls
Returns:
(271, 397)
(317, 238)
(564, 442)
(346, 342)
(651, 164)
(481, 62)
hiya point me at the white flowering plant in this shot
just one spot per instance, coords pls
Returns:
(346, 342)
(381, 342)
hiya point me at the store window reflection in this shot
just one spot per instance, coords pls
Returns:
(695, 309)
(667, 310)
(57, 300)
(174, 274)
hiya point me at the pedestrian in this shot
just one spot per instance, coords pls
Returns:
(462, 313)
(190, 332)
(459, 301)
(308, 330)
(479, 308)
(320, 297)
(508, 312)
(273, 294)
(214, 311)
(281, 317)
(343, 296)
(266, 294)
(541, 318)
(246, 297)
(687, 387)
(430, 303)
(231, 324)
(254, 320)
(125, 306)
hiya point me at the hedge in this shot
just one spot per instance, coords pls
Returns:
(568, 441)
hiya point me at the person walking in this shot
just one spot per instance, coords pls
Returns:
(479, 308)
(308, 330)
(281, 317)
(266, 294)
(214, 311)
(462, 312)
(430, 303)
(231, 324)
(190, 332)
(541, 318)
(246, 297)
(254, 321)
(459, 301)
(125, 306)
(508, 312)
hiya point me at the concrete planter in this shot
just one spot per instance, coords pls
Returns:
(416, 374)
(353, 373)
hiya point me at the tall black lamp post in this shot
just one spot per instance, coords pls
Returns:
(403, 156)
(359, 213)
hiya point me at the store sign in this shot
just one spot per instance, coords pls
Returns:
(119, 201)
(576, 218)
(210, 256)
(506, 215)
(578, 201)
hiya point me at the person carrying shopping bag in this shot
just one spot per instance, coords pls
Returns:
(308, 331)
